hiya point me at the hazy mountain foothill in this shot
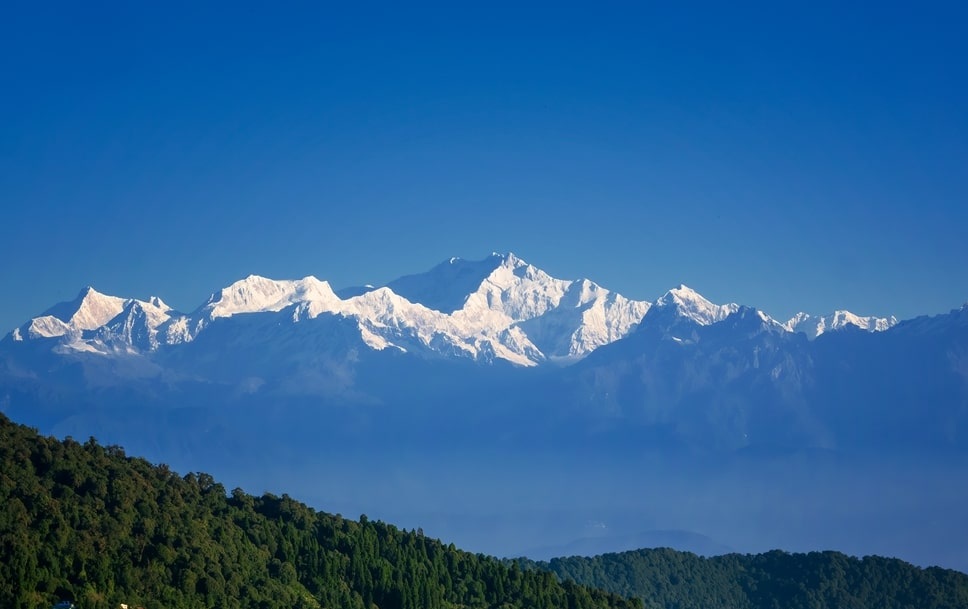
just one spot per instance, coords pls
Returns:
(442, 399)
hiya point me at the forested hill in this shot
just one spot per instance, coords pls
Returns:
(87, 523)
(667, 579)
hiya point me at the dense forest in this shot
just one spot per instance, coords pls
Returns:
(667, 579)
(85, 522)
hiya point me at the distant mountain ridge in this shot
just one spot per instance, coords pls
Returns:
(499, 308)
(814, 326)
(719, 377)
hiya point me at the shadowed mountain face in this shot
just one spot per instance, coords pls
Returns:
(446, 287)
(744, 383)
(507, 409)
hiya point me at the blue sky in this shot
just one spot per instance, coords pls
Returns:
(807, 156)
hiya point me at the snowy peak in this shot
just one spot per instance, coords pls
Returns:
(753, 321)
(691, 304)
(451, 285)
(509, 260)
(814, 326)
(158, 303)
(503, 307)
(136, 327)
(90, 310)
(586, 317)
(517, 290)
(256, 294)
(445, 287)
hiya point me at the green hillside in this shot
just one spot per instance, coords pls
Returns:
(667, 579)
(87, 523)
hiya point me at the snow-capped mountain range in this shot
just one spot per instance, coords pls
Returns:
(814, 326)
(499, 308)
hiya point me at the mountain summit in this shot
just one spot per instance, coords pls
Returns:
(690, 304)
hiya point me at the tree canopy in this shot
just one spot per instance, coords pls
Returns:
(667, 579)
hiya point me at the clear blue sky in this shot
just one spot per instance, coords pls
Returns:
(783, 155)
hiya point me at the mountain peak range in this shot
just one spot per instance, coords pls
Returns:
(500, 307)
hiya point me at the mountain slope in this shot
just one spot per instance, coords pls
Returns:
(87, 523)
(747, 382)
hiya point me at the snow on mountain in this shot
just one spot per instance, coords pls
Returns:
(814, 326)
(690, 304)
(46, 326)
(386, 320)
(137, 326)
(94, 309)
(750, 321)
(397, 321)
(522, 313)
(499, 308)
(587, 317)
(90, 310)
(516, 290)
(256, 294)
(447, 286)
